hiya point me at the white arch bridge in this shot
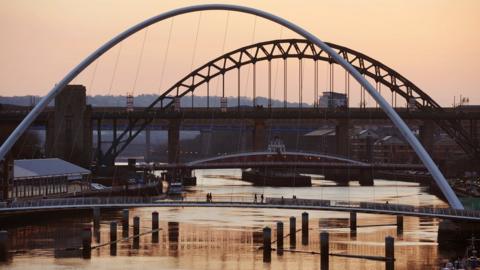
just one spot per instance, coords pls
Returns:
(332, 54)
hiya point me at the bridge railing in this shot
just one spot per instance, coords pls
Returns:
(240, 199)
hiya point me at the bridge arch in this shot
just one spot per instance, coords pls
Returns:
(398, 122)
(304, 155)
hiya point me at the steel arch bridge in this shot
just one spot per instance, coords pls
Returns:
(297, 49)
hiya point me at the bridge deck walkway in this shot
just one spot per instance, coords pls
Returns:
(238, 202)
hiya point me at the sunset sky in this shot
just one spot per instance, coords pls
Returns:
(435, 44)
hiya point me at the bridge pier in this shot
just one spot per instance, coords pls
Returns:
(3, 246)
(136, 232)
(113, 238)
(304, 228)
(279, 238)
(125, 222)
(353, 223)
(259, 135)
(206, 141)
(426, 134)
(324, 250)
(96, 218)
(174, 141)
(87, 243)
(399, 225)
(366, 177)
(293, 232)
(267, 244)
(342, 138)
(155, 232)
(69, 130)
(389, 253)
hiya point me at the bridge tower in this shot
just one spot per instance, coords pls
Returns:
(69, 130)
(342, 136)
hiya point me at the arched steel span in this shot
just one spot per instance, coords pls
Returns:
(265, 153)
(399, 123)
(300, 48)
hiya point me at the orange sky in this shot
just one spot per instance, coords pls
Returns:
(435, 44)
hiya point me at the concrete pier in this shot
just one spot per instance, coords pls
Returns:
(304, 228)
(113, 238)
(324, 250)
(155, 227)
(280, 238)
(293, 232)
(3, 246)
(390, 253)
(87, 243)
(125, 222)
(136, 232)
(267, 244)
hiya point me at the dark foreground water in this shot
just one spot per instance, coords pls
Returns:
(227, 238)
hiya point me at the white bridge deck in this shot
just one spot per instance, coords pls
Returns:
(49, 205)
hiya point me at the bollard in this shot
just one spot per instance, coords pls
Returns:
(113, 238)
(3, 246)
(389, 253)
(293, 232)
(96, 218)
(136, 232)
(399, 225)
(280, 238)
(267, 244)
(155, 232)
(324, 250)
(353, 222)
(87, 243)
(125, 222)
(304, 228)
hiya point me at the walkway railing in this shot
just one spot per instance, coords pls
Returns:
(246, 201)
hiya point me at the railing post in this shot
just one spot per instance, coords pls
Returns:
(293, 232)
(324, 250)
(155, 227)
(389, 253)
(113, 238)
(304, 228)
(267, 244)
(280, 238)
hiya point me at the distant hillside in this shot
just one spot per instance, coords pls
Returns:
(146, 100)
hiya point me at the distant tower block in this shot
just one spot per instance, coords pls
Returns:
(129, 102)
(69, 129)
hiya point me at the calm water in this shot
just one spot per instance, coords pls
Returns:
(223, 238)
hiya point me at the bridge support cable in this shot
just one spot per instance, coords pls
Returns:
(285, 87)
(399, 123)
(300, 82)
(238, 87)
(269, 84)
(254, 97)
(315, 84)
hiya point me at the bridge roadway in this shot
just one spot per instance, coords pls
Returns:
(86, 203)
(17, 113)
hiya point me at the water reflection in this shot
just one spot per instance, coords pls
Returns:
(222, 238)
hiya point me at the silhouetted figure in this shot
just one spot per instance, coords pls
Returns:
(255, 198)
(261, 197)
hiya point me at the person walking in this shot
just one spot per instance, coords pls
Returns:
(255, 198)
(262, 197)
